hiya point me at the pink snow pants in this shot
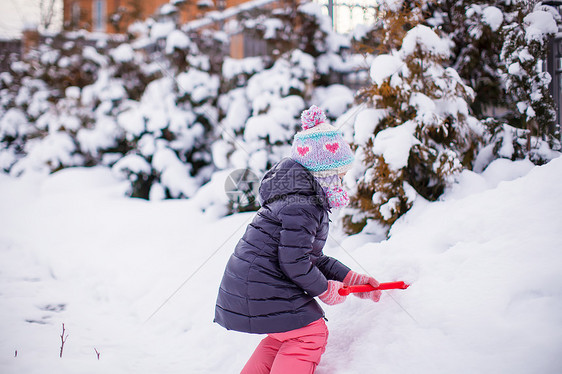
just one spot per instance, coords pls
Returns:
(295, 352)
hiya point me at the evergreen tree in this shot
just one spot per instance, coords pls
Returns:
(420, 135)
(499, 50)
(169, 129)
(475, 27)
(523, 55)
(35, 95)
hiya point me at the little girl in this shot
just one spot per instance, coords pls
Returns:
(278, 268)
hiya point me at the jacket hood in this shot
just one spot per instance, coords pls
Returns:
(288, 178)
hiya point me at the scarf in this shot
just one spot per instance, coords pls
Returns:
(333, 188)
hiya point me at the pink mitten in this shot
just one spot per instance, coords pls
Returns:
(352, 279)
(331, 295)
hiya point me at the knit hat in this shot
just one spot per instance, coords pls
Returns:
(320, 147)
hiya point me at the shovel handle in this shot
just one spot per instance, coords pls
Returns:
(346, 290)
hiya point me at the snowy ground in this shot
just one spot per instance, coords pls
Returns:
(484, 265)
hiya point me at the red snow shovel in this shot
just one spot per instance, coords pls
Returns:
(346, 290)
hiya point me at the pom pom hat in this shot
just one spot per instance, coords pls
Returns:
(320, 147)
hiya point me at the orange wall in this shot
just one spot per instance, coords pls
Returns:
(188, 11)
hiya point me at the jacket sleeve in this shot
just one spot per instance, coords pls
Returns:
(299, 224)
(332, 268)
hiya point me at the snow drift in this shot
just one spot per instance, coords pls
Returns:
(137, 280)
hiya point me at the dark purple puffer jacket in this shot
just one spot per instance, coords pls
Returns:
(278, 267)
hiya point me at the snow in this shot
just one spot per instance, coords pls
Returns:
(277, 81)
(49, 57)
(422, 103)
(391, 5)
(311, 8)
(334, 99)
(365, 124)
(137, 280)
(230, 12)
(515, 69)
(233, 67)
(174, 174)
(211, 198)
(493, 17)
(198, 84)
(177, 40)
(265, 126)
(114, 90)
(238, 110)
(103, 136)
(538, 24)
(8, 157)
(161, 30)
(38, 103)
(131, 163)
(168, 9)
(394, 144)
(522, 106)
(123, 53)
(50, 153)
(131, 121)
(271, 26)
(360, 31)
(384, 66)
(91, 54)
(205, 3)
(73, 92)
(12, 123)
(498, 171)
(425, 38)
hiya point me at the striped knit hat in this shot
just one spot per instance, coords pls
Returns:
(320, 147)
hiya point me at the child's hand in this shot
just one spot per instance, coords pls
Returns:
(352, 279)
(331, 295)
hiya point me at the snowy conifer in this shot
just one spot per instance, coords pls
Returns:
(523, 55)
(500, 48)
(419, 134)
(262, 117)
(46, 140)
(168, 129)
(475, 27)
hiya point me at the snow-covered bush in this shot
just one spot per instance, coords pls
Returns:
(499, 49)
(170, 134)
(523, 54)
(41, 112)
(14, 129)
(396, 18)
(426, 123)
(418, 137)
(262, 117)
(152, 99)
(475, 29)
(512, 143)
(170, 125)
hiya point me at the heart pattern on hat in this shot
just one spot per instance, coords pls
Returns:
(303, 150)
(332, 147)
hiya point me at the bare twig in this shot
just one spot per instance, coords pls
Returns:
(62, 339)
(97, 353)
